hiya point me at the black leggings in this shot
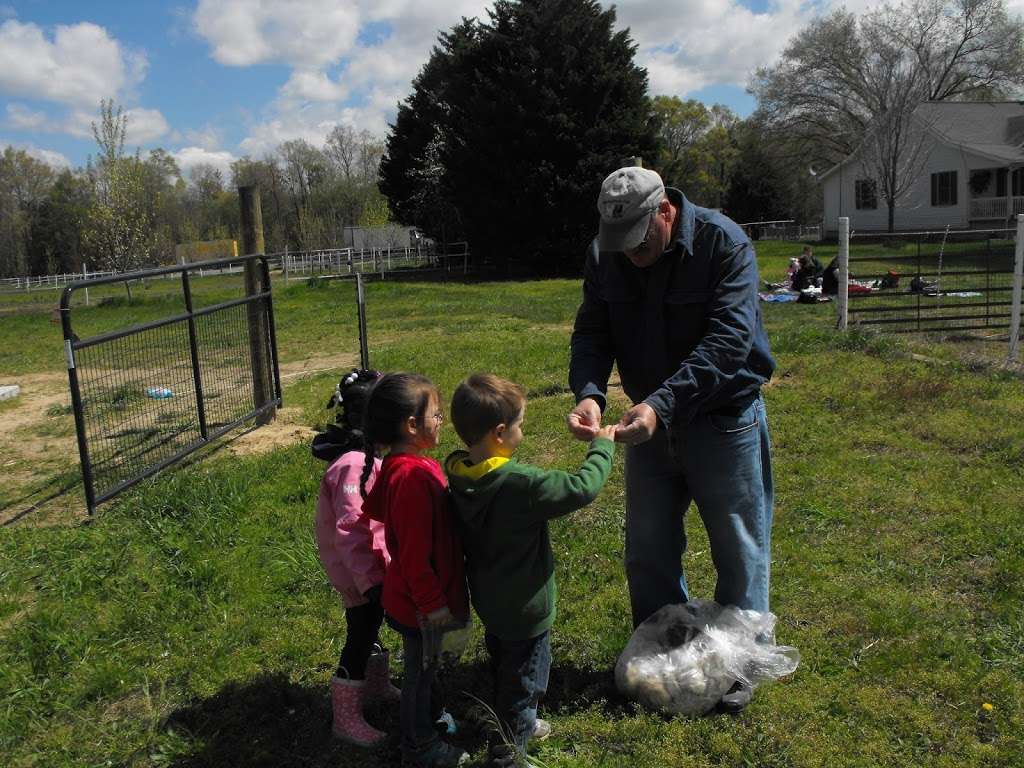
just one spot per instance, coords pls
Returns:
(363, 629)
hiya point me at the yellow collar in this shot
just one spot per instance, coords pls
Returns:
(463, 468)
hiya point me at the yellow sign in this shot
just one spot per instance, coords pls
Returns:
(189, 253)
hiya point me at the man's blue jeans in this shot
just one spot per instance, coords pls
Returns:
(723, 464)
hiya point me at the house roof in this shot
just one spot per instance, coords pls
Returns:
(991, 128)
(994, 129)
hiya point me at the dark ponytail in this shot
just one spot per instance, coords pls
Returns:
(371, 456)
(349, 403)
(394, 398)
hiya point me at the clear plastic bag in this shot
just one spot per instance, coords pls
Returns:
(686, 656)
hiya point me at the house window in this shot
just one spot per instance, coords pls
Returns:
(944, 188)
(1001, 182)
(1018, 182)
(865, 194)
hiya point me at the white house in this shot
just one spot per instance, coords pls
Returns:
(971, 174)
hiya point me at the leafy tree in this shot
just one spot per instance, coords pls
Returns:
(847, 84)
(119, 230)
(513, 123)
(24, 183)
(57, 228)
(697, 147)
(681, 125)
(757, 189)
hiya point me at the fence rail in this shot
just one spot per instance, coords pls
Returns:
(781, 229)
(147, 395)
(292, 265)
(941, 281)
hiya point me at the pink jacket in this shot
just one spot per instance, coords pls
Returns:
(351, 545)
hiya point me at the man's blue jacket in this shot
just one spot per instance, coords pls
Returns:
(686, 332)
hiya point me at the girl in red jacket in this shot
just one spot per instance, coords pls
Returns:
(424, 586)
(354, 556)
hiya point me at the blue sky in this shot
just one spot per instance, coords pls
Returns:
(212, 80)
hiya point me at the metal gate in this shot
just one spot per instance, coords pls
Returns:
(147, 395)
(946, 281)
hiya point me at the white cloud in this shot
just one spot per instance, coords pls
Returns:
(22, 118)
(189, 157)
(304, 33)
(208, 137)
(51, 157)
(721, 42)
(313, 86)
(144, 125)
(334, 78)
(75, 66)
(78, 66)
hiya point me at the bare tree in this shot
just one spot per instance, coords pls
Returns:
(846, 86)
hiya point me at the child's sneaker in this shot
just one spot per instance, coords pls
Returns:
(541, 730)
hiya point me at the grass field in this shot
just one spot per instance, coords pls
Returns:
(190, 624)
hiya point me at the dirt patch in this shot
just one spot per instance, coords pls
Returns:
(284, 430)
(33, 458)
(298, 369)
(30, 454)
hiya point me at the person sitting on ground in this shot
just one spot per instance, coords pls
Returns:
(810, 270)
(504, 507)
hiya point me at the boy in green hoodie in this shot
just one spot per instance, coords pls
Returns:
(504, 507)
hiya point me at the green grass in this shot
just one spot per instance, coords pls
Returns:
(191, 625)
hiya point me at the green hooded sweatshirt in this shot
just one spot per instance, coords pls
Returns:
(504, 507)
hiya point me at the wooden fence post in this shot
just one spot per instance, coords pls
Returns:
(252, 242)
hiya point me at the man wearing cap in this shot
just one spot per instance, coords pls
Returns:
(670, 296)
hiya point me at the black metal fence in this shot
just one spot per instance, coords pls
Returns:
(931, 281)
(147, 395)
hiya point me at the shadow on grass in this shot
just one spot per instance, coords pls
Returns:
(572, 689)
(270, 722)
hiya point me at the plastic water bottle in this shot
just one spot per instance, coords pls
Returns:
(159, 393)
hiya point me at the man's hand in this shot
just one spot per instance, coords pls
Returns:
(585, 419)
(637, 425)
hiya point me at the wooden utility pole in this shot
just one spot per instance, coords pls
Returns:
(252, 242)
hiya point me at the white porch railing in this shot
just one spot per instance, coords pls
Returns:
(996, 207)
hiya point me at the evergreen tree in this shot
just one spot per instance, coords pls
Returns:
(512, 125)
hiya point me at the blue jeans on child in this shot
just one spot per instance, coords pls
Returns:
(722, 462)
(520, 670)
(416, 711)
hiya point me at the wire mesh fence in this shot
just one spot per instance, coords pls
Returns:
(931, 281)
(147, 395)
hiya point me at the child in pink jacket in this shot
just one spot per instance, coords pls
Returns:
(354, 555)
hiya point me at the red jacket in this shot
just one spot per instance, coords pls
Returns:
(426, 570)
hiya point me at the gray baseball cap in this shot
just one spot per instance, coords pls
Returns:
(629, 198)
